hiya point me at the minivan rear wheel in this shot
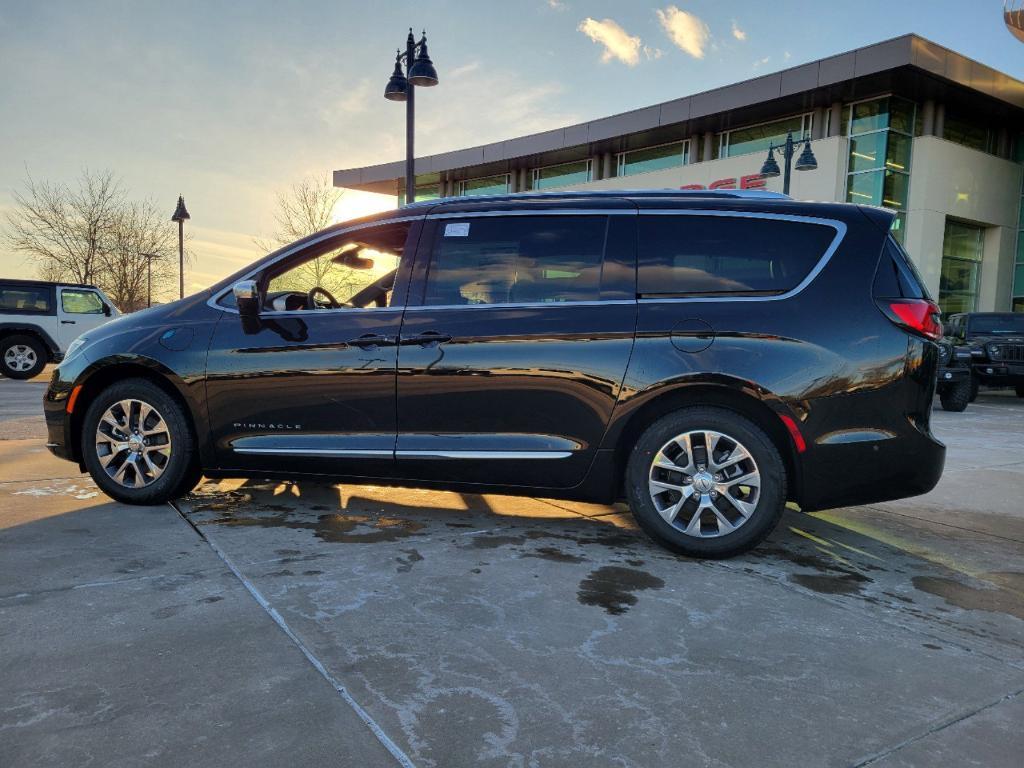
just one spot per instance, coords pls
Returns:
(137, 444)
(706, 482)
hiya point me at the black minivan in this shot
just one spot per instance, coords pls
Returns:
(706, 355)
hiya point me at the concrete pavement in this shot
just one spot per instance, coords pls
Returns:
(306, 624)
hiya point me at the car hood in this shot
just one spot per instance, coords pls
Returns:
(175, 312)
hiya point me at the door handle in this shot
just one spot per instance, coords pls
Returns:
(425, 339)
(68, 322)
(371, 340)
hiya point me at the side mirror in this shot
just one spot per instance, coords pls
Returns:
(106, 309)
(247, 298)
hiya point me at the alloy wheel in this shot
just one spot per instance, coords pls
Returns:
(704, 483)
(20, 357)
(133, 443)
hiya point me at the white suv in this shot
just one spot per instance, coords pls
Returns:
(39, 320)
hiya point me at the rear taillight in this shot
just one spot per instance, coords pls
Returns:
(918, 315)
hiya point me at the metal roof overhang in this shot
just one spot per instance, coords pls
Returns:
(909, 65)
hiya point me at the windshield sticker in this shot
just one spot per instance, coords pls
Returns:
(457, 229)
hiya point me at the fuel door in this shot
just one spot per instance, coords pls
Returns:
(692, 335)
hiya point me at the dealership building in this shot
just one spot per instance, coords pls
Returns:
(906, 124)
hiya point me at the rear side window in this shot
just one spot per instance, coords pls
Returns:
(693, 255)
(896, 277)
(20, 298)
(516, 259)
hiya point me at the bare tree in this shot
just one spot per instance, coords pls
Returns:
(62, 228)
(302, 209)
(92, 233)
(138, 228)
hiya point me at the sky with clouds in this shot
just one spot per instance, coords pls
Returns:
(227, 103)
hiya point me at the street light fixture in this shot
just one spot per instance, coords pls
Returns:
(419, 70)
(806, 161)
(149, 275)
(181, 215)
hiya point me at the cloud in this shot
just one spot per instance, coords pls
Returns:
(618, 44)
(686, 30)
(464, 70)
(556, 5)
(761, 62)
(738, 33)
(653, 53)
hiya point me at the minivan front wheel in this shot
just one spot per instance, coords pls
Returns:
(137, 445)
(706, 482)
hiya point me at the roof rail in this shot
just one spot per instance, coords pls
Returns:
(750, 194)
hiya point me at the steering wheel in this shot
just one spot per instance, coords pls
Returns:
(311, 302)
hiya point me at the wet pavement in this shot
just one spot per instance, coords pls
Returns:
(265, 623)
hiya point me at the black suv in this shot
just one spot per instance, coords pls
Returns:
(956, 385)
(994, 342)
(707, 355)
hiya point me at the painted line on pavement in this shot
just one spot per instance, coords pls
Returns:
(382, 737)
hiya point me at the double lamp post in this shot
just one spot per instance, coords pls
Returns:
(419, 70)
(806, 161)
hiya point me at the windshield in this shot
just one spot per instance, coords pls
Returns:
(998, 324)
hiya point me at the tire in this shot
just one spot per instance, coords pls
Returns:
(710, 538)
(955, 397)
(22, 356)
(974, 388)
(173, 466)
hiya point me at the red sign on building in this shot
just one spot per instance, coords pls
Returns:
(753, 181)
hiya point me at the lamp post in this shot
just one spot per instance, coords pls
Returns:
(419, 70)
(806, 161)
(180, 216)
(149, 275)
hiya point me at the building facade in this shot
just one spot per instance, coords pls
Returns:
(905, 124)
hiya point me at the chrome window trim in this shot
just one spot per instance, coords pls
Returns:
(838, 226)
(212, 301)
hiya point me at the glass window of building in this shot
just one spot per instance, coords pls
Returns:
(561, 175)
(962, 248)
(428, 187)
(757, 138)
(963, 130)
(653, 158)
(881, 133)
(487, 185)
(1018, 268)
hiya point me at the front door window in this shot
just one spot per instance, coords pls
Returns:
(357, 271)
(80, 302)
